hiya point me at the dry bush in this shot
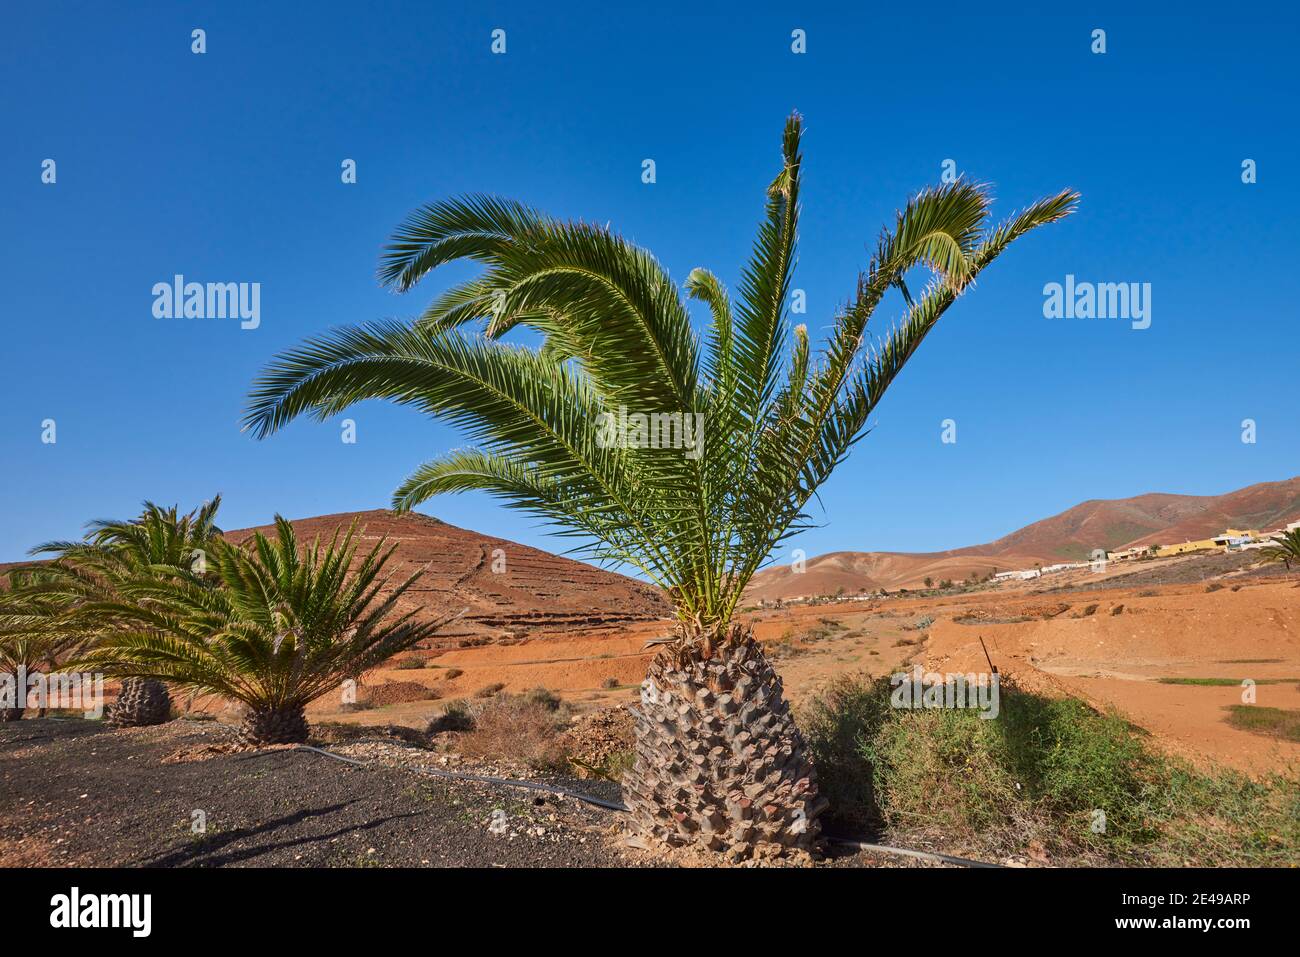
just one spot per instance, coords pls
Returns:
(455, 716)
(522, 729)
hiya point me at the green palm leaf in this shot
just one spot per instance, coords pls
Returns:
(777, 415)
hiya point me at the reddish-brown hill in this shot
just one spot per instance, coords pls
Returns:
(532, 592)
(1154, 518)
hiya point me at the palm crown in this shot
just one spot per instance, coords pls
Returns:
(34, 626)
(617, 336)
(1285, 548)
(92, 570)
(719, 760)
(112, 550)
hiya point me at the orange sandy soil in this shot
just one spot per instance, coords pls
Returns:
(1047, 641)
(1117, 660)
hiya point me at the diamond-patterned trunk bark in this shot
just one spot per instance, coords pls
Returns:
(141, 701)
(719, 761)
(288, 726)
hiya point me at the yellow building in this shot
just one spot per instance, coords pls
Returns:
(1184, 547)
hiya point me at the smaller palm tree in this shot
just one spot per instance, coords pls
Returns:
(1285, 548)
(34, 635)
(280, 626)
(159, 540)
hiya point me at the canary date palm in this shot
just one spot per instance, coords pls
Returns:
(35, 635)
(1285, 548)
(719, 761)
(276, 627)
(159, 540)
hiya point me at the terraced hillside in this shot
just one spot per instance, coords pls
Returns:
(510, 591)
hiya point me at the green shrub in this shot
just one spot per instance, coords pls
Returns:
(940, 768)
(1279, 722)
(1037, 773)
(838, 725)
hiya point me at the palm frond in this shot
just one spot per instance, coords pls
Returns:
(617, 339)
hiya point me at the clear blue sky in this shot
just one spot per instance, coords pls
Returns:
(226, 167)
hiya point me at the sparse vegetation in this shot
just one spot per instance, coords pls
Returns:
(1278, 722)
(1224, 682)
(1038, 773)
(543, 697)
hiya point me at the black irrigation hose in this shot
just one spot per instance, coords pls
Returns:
(617, 806)
(908, 852)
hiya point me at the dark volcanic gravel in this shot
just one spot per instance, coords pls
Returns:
(75, 793)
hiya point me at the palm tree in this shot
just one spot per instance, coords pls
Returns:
(719, 761)
(34, 634)
(1285, 548)
(279, 628)
(160, 541)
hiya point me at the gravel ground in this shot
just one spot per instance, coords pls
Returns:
(74, 793)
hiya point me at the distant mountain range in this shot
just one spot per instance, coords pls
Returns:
(532, 592)
(1157, 518)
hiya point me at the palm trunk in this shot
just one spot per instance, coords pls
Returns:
(142, 701)
(12, 687)
(719, 762)
(275, 726)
